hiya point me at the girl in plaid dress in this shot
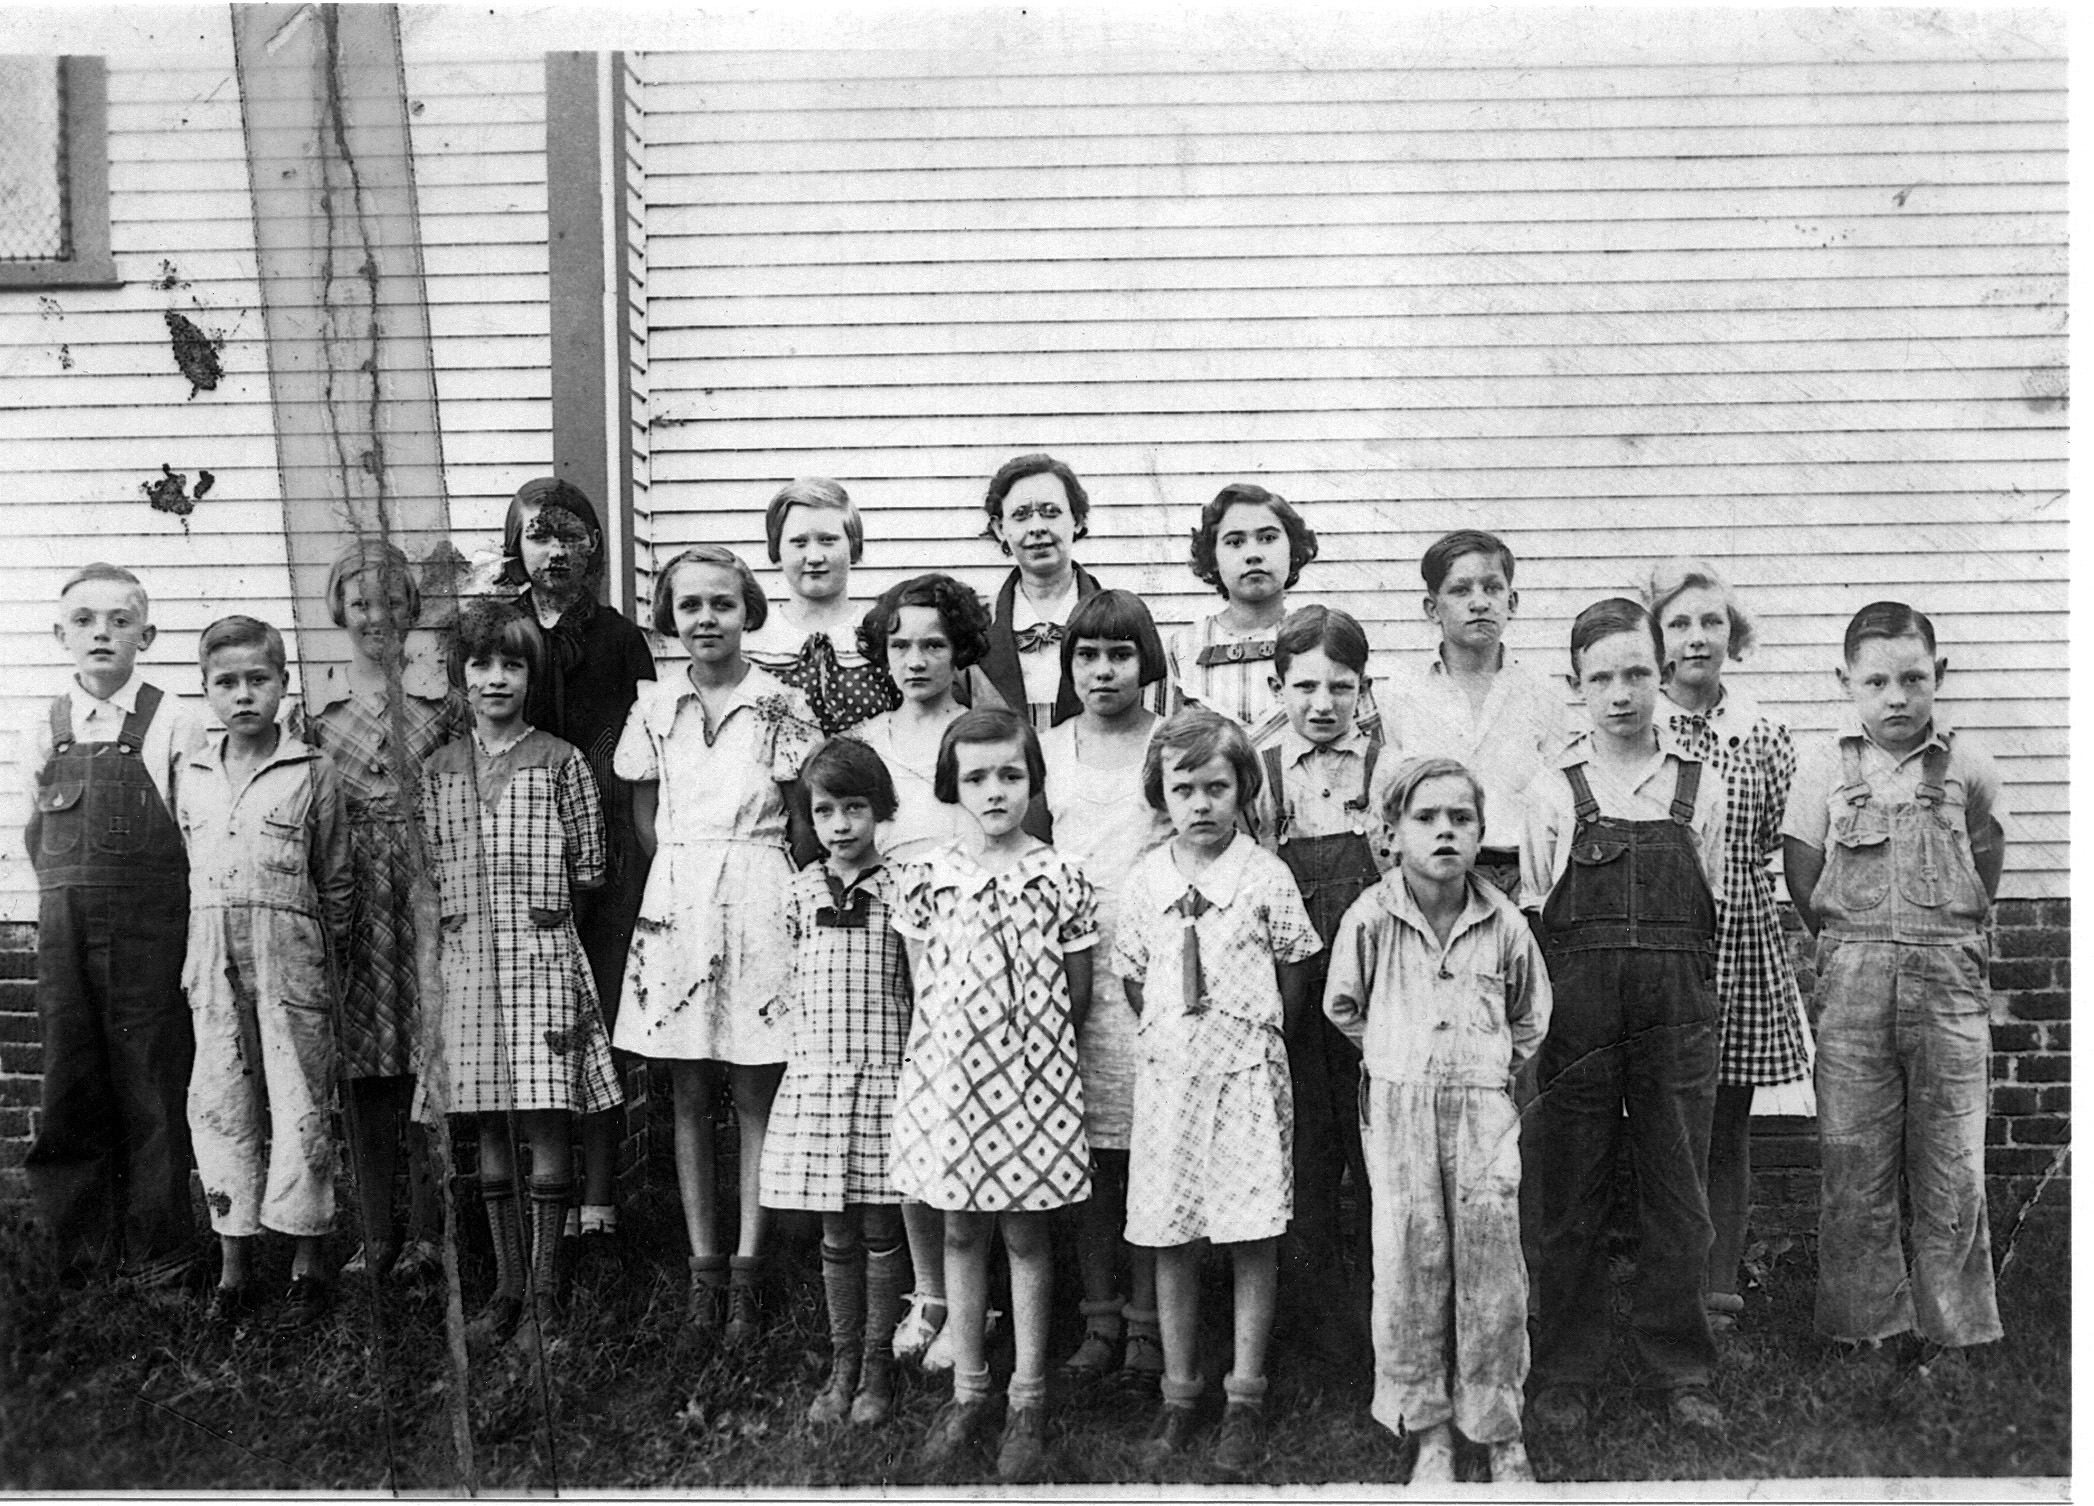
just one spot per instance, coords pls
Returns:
(713, 754)
(988, 1118)
(831, 1123)
(377, 741)
(514, 831)
(1763, 1040)
(1213, 945)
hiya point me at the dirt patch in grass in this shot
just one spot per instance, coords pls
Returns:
(104, 1390)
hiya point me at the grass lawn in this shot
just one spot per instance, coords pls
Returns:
(102, 1391)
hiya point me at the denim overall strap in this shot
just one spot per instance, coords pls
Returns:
(1934, 776)
(62, 723)
(1276, 781)
(99, 818)
(1685, 789)
(1586, 808)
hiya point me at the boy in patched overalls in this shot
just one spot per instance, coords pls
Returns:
(110, 1165)
(1319, 809)
(1620, 860)
(1892, 845)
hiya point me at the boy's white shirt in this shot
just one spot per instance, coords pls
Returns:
(1522, 724)
(1645, 794)
(177, 729)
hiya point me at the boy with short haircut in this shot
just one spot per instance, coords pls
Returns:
(1473, 701)
(272, 887)
(110, 1165)
(1436, 976)
(1893, 848)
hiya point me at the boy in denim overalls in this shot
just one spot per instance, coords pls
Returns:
(1620, 859)
(110, 1166)
(1892, 846)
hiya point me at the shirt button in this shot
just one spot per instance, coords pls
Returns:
(1443, 1024)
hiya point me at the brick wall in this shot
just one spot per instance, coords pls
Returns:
(2031, 1075)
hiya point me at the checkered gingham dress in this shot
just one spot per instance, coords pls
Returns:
(1211, 1154)
(379, 785)
(988, 1116)
(832, 1123)
(1763, 1042)
(510, 837)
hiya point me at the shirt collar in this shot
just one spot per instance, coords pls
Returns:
(211, 753)
(1939, 735)
(1221, 879)
(756, 686)
(1294, 747)
(1395, 897)
(1025, 614)
(1670, 744)
(1438, 666)
(124, 699)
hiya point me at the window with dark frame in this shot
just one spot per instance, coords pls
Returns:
(54, 173)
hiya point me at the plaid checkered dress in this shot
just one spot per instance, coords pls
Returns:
(832, 1122)
(510, 837)
(380, 992)
(1763, 1042)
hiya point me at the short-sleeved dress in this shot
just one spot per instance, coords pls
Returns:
(832, 1122)
(921, 821)
(512, 836)
(1212, 1152)
(380, 790)
(1104, 824)
(705, 979)
(988, 1115)
(842, 686)
(1762, 1035)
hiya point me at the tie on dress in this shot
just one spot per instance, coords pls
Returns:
(1190, 907)
(1036, 637)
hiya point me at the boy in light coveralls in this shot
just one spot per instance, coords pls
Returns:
(1893, 848)
(1436, 976)
(110, 1166)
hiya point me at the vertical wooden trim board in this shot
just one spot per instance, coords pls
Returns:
(343, 298)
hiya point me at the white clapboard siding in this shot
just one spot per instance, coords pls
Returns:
(476, 118)
(632, 145)
(92, 403)
(1785, 289)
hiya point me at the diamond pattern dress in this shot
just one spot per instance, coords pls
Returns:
(989, 1111)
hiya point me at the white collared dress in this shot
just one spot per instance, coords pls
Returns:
(705, 979)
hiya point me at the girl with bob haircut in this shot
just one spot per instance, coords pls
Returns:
(814, 534)
(372, 596)
(1212, 947)
(712, 754)
(1762, 1033)
(959, 609)
(756, 610)
(989, 1112)
(1301, 538)
(831, 1133)
(513, 831)
(595, 661)
(1099, 819)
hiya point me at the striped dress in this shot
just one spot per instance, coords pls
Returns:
(1763, 1032)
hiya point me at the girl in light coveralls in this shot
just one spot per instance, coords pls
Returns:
(1435, 975)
